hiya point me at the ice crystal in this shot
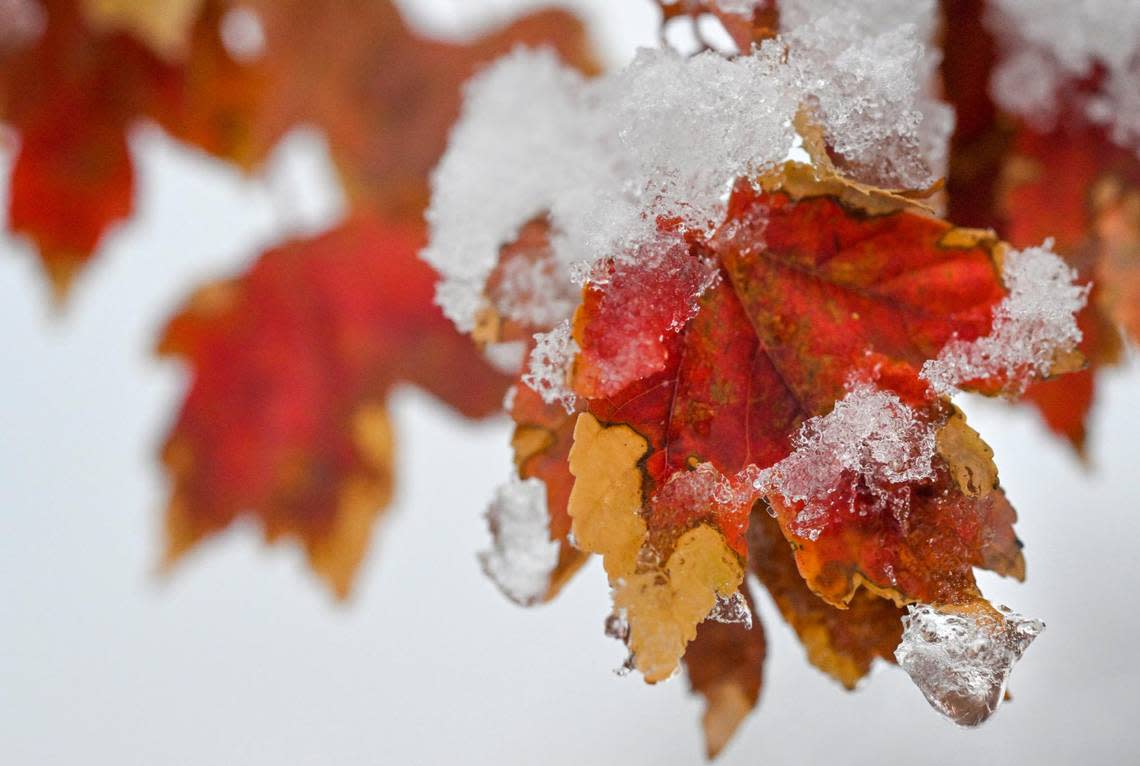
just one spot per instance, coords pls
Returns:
(962, 660)
(665, 138)
(733, 609)
(521, 149)
(1050, 45)
(549, 369)
(879, 103)
(646, 302)
(522, 555)
(1035, 322)
(705, 491)
(870, 440)
(535, 292)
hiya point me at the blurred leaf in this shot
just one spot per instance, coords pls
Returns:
(286, 417)
(1071, 184)
(384, 96)
(72, 94)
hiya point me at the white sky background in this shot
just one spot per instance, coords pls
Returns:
(242, 658)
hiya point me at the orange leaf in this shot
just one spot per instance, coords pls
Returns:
(385, 98)
(841, 642)
(293, 362)
(725, 665)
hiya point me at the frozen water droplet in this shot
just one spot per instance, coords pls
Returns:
(732, 609)
(961, 660)
(617, 626)
(624, 669)
(549, 366)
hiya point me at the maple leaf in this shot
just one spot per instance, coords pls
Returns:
(1069, 183)
(819, 283)
(385, 97)
(841, 642)
(725, 665)
(1074, 185)
(286, 415)
(71, 94)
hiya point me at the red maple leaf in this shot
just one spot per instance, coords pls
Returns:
(386, 99)
(814, 292)
(72, 94)
(286, 417)
(1069, 183)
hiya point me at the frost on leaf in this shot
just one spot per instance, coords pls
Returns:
(808, 350)
(961, 657)
(531, 291)
(655, 301)
(605, 160)
(880, 110)
(1049, 167)
(744, 318)
(548, 367)
(523, 556)
(542, 438)
(927, 539)
(1074, 185)
(871, 438)
(1034, 330)
(532, 557)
